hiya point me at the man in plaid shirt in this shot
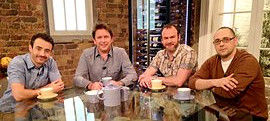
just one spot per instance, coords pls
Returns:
(176, 62)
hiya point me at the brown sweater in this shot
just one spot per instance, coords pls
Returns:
(250, 92)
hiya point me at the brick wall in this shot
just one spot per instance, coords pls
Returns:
(67, 56)
(19, 20)
(115, 13)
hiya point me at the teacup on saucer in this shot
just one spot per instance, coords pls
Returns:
(160, 88)
(46, 93)
(156, 84)
(47, 97)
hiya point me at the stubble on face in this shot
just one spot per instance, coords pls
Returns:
(225, 50)
(170, 39)
(40, 52)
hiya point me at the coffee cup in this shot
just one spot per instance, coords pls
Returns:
(92, 96)
(46, 92)
(106, 80)
(125, 94)
(183, 92)
(156, 84)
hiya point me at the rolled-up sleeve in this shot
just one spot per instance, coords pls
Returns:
(189, 60)
(54, 73)
(15, 71)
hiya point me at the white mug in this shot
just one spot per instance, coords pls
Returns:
(106, 80)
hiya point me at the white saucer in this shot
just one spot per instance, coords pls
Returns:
(93, 92)
(183, 98)
(163, 87)
(48, 97)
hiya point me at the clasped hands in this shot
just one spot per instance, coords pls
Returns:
(57, 85)
(227, 83)
(99, 85)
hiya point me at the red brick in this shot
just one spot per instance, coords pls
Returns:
(14, 26)
(5, 37)
(57, 52)
(12, 13)
(109, 5)
(10, 1)
(3, 31)
(119, 15)
(70, 61)
(6, 5)
(71, 46)
(3, 25)
(23, 6)
(25, 13)
(61, 67)
(65, 52)
(58, 47)
(23, 49)
(110, 15)
(38, 13)
(29, 19)
(36, 2)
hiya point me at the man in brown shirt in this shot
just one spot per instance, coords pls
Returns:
(234, 76)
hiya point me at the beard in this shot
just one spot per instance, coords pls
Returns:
(173, 49)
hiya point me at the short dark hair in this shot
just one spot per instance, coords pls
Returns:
(170, 25)
(225, 27)
(101, 26)
(43, 36)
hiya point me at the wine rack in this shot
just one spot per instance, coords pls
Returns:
(148, 18)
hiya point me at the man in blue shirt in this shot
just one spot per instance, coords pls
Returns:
(30, 72)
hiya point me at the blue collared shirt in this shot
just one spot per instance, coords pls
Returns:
(22, 70)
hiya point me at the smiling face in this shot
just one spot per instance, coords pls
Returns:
(103, 40)
(40, 52)
(225, 50)
(170, 39)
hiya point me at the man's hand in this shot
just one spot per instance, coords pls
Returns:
(117, 83)
(227, 83)
(145, 80)
(57, 85)
(95, 86)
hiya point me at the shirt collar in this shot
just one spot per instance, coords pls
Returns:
(178, 49)
(110, 54)
(29, 62)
